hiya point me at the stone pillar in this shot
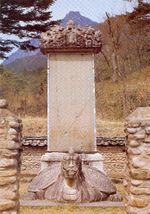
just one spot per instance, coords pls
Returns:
(137, 180)
(10, 144)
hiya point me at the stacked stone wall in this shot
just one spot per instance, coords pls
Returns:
(10, 138)
(137, 181)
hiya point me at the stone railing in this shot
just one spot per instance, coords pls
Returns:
(10, 138)
(137, 181)
(101, 141)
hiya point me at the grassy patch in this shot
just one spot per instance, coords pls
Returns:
(37, 126)
(71, 210)
(34, 126)
(115, 101)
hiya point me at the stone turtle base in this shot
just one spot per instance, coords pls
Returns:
(45, 203)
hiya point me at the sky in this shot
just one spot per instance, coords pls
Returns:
(93, 9)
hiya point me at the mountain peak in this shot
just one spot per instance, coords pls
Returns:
(73, 13)
(24, 60)
(78, 19)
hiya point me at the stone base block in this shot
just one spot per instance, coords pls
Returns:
(54, 158)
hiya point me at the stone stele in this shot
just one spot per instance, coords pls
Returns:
(71, 87)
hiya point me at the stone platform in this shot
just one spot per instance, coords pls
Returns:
(45, 203)
(94, 159)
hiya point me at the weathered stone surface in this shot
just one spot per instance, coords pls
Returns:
(131, 210)
(9, 188)
(13, 145)
(9, 160)
(10, 212)
(125, 183)
(71, 39)
(133, 124)
(93, 160)
(114, 161)
(74, 125)
(140, 203)
(138, 186)
(133, 130)
(140, 174)
(140, 135)
(146, 184)
(71, 182)
(3, 103)
(147, 130)
(9, 195)
(11, 153)
(12, 131)
(12, 137)
(135, 151)
(141, 114)
(140, 191)
(6, 204)
(147, 140)
(14, 124)
(7, 180)
(134, 143)
(147, 152)
(138, 163)
(7, 173)
(136, 182)
(5, 163)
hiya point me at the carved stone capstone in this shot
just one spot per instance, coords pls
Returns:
(71, 39)
(72, 182)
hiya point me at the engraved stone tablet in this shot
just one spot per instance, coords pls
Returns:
(71, 87)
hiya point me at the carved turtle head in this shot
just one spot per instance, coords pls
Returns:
(71, 165)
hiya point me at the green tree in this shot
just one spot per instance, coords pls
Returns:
(24, 19)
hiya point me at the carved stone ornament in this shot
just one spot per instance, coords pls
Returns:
(71, 39)
(73, 182)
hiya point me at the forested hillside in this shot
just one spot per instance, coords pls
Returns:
(26, 93)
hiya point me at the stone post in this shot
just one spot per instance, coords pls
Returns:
(10, 144)
(137, 181)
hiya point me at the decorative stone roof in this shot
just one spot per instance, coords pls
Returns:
(71, 39)
(101, 141)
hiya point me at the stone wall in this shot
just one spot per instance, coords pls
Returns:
(10, 138)
(114, 161)
(137, 181)
(31, 157)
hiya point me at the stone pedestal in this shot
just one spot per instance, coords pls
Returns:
(137, 180)
(55, 159)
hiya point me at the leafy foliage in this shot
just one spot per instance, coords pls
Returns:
(140, 15)
(25, 19)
